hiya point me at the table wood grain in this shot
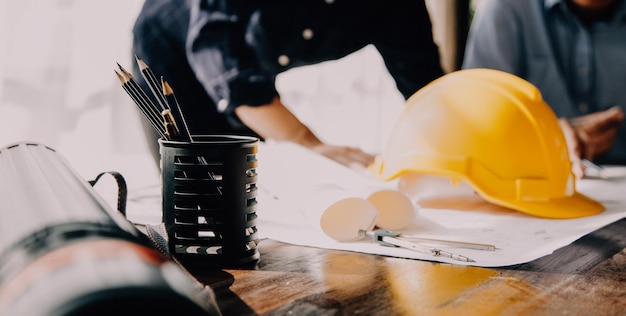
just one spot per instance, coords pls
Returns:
(587, 277)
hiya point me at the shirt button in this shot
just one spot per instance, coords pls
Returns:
(307, 34)
(283, 60)
(583, 108)
(330, 1)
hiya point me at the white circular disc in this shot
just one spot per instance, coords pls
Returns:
(395, 209)
(342, 220)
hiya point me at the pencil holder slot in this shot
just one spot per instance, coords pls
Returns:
(209, 199)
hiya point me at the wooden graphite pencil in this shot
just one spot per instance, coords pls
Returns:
(144, 108)
(170, 131)
(141, 94)
(171, 128)
(137, 88)
(177, 112)
(152, 82)
(138, 93)
(155, 121)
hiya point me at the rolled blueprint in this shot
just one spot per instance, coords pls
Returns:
(63, 251)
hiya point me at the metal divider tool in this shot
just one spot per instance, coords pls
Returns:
(393, 239)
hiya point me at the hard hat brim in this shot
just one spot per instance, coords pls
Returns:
(574, 206)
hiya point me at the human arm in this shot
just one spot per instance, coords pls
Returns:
(573, 146)
(590, 135)
(596, 132)
(275, 121)
(243, 90)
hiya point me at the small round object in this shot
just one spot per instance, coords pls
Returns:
(343, 219)
(395, 209)
(307, 34)
(283, 60)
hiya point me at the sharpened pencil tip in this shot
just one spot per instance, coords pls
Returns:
(141, 63)
(124, 77)
(119, 76)
(167, 89)
(124, 71)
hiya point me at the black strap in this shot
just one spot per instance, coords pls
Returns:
(158, 236)
(122, 190)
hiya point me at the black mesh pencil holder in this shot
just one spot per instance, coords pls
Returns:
(209, 199)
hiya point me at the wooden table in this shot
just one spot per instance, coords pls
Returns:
(587, 277)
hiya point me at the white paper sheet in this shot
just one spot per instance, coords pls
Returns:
(289, 176)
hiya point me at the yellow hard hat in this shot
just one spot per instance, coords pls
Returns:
(493, 130)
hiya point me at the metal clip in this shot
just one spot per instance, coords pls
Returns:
(379, 234)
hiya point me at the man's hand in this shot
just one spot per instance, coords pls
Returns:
(573, 147)
(595, 133)
(590, 135)
(347, 156)
(275, 121)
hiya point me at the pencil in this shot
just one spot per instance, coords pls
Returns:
(141, 95)
(171, 128)
(155, 122)
(152, 82)
(177, 112)
(137, 93)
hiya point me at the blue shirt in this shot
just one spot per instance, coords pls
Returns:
(219, 54)
(579, 69)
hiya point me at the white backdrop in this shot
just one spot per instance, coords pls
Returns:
(58, 86)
